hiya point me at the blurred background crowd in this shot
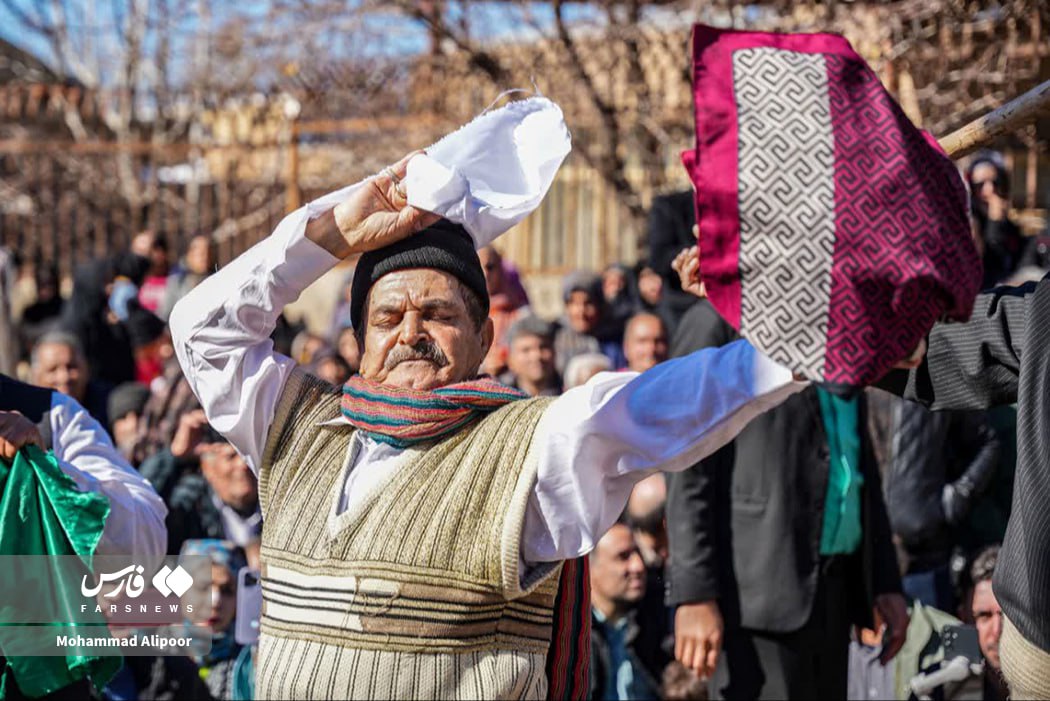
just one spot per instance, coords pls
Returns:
(729, 551)
(145, 143)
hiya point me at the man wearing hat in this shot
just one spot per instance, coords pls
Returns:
(416, 519)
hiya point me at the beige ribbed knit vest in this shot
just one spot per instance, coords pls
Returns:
(413, 592)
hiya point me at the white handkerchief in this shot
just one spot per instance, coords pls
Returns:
(491, 173)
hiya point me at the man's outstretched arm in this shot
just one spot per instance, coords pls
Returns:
(976, 364)
(597, 441)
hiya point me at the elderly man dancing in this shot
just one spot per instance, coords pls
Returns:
(416, 518)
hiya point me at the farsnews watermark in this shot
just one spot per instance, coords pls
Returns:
(118, 607)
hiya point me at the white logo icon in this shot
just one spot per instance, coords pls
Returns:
(168, 581)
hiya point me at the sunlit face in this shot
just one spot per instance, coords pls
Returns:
(531, 358)
(419, 333)
(59, 367)
(582, 312)
(198, 255)
(229, 476)
(617, 568)
(989, 620)
(492, 266)
(645, 343)
(650, 287)
(982, 182)
(214, 603)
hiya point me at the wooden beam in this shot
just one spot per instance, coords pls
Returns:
(1010, 117)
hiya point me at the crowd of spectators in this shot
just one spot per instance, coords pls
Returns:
(731, 579)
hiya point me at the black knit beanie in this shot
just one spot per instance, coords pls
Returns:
(442, 246)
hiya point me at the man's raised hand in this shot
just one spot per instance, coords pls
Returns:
(687, 265)
(375, 215)
(16, 431)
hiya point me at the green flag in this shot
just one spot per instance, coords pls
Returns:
(43, 513)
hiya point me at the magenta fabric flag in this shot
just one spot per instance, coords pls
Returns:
(833, 233)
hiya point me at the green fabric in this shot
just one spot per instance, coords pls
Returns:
(43, 513)
(841, 533)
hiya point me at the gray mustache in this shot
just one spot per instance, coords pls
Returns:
(424, 350)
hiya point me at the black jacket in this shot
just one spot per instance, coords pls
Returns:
(942, 462)
(745, 524)
(1002, 356)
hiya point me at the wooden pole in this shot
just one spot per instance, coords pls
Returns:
(1010, 117)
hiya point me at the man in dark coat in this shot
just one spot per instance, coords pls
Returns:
(1002, 356)
(748, 569)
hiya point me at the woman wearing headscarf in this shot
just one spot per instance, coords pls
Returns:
(227, 668)
(87, 315)
(998, 238)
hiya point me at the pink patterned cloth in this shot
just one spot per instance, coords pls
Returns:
(833, 232)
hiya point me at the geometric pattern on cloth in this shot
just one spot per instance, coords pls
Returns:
(787, 204)
(890, 183)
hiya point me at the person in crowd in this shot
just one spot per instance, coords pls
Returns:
(941, 465)
(988, 617)
(581, 329)
(530, 362)
(129, 271)
(219, 501)
(645, 342)
(650, 288)
(306, 345)
(57, 362)
(507, 304)
(584, 366)
(227, 669)
(154, 248)
(43, 314)
(171, 399)
(329, 366)
(923, 653)
(627, 653)
(124, 409)
(102, 336)
(619, 297)
(197, 265)
(150, 343)
(795, 500)
(349, 351)
(55, 421)
(672, 221)
(1000, 357)
(999, 239)
(421, 303)
(645, 513)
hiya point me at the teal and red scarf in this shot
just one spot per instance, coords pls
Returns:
(405, 417)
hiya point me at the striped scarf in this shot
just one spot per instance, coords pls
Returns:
(405, 417)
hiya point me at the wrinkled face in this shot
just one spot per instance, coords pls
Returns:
(493, 269)
(419, 333)
(61, 368)
(989, 620)
(582, 312)
(531, 358)
(645, 343)
(214, 603)
(617, 569)
(198, 255)
(650, 286)
(229, 476)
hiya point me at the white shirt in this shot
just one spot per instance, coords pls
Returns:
(594, 442)
(135, 525)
